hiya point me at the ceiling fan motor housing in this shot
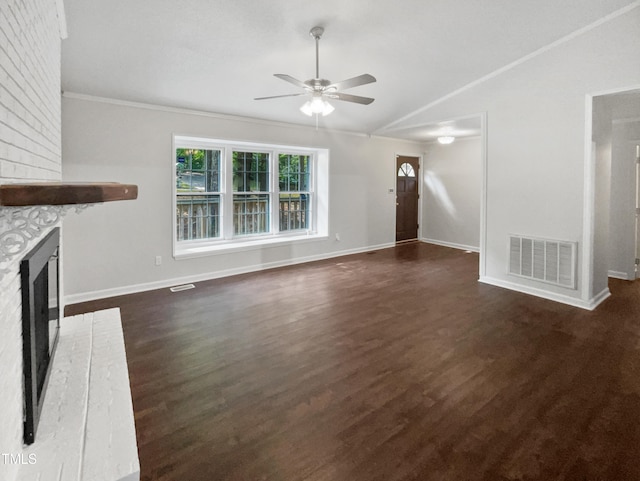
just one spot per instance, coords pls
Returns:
(318, 83)
(316, 32)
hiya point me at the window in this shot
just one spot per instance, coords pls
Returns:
(233, 195)
(251, 193)
(295, 193)
(406, 170)
(197, 194)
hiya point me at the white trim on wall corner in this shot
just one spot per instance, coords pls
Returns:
(599, 299)
(437, 121)
(165, 283)
(589, 305)
(450, 244)
(588, 202)
(483, 194)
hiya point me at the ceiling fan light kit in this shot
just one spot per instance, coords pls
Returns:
(317, 105)
(322, 89)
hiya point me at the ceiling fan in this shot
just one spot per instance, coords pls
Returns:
(322, 89)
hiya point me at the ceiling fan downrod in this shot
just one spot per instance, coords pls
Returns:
(316, 32)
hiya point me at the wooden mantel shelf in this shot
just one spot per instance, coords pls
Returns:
(58, 193)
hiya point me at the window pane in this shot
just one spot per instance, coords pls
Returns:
(250, 214)
(294, 172)
(250, 172)
(197, 170)
(263, 182)
(406, 170)
(304, 181)
(304, 173)
(198, 217)
(284, 167)
(294, 211)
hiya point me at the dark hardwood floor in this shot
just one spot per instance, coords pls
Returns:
(394, 365)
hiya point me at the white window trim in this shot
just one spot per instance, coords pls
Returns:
(319, 189)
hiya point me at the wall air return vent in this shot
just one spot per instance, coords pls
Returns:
(545, 260)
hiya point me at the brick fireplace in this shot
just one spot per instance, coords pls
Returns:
(30, 147)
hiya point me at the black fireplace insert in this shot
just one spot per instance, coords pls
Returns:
(40, 324)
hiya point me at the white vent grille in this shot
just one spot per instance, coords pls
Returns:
(545, 260)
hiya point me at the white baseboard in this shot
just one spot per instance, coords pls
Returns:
(450, 244)
(149, 286)
(590, 305)
(621, 275)
(595, 301)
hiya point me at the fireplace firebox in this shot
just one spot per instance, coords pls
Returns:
(40, 324)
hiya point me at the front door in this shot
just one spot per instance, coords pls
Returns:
(406, 198)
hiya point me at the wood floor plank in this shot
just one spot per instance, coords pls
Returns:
(395, 365)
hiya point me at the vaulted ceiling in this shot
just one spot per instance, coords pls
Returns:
(217, 55)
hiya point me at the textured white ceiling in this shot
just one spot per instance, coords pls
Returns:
(217, 55)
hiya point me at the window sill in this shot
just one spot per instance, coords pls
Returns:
(239, 245)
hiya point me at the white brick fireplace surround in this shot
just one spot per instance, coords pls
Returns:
(30, 150)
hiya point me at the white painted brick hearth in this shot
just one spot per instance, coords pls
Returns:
(30, 149)
(86, 432)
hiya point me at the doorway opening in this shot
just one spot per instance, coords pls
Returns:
(615, 154)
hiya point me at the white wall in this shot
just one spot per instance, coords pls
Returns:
(538, 145)
(452, 179)
(622, 248)
(111, 248)
(29, 150)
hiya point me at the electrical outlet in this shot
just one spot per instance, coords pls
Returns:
(337, 236)
(158, 260)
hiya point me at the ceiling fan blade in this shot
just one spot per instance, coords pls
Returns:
(353, 82)
(280, 96)
(291, 80)
(350, 98)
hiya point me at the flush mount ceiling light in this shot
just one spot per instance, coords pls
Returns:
(322, 89)
(446, 139)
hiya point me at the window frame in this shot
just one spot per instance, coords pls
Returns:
(228, 240)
